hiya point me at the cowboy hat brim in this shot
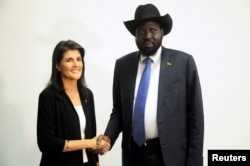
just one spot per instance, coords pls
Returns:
(165, 21)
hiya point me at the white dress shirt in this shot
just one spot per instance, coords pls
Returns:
(79, 110)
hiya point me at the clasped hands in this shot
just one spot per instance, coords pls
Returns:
(102, 144)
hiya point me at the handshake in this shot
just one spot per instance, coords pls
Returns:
(102, 144)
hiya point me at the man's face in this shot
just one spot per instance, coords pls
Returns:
(149, 37)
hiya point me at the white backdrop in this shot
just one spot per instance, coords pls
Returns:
(215, 32)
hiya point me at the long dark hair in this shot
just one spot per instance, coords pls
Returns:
(55, 81)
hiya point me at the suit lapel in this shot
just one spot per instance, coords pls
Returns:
(165, 70)
(132, 72)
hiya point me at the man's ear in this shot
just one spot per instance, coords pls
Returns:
(162, 32)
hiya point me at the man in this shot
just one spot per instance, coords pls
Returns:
(172, 116)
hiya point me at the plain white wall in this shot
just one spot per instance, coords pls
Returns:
(215, 32)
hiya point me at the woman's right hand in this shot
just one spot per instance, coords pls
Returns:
(101, 144)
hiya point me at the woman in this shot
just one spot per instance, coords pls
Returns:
(66, 123)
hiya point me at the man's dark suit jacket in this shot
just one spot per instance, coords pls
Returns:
(179, 111)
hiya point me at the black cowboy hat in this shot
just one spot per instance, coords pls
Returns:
(149, 12)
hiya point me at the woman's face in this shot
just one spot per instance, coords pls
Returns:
(71, 65)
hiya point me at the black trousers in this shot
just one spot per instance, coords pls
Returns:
(148, 154)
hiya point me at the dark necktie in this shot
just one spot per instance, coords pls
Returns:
(139, 108)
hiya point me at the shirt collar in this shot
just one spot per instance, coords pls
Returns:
(154, 57)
